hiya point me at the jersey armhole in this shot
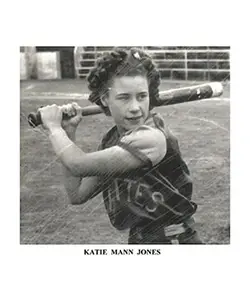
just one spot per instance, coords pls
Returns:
(159, 124)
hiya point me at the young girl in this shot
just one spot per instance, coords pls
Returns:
(145, 182)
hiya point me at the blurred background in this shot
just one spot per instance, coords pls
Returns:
(209, 63)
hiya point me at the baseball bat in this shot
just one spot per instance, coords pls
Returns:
(169, 97)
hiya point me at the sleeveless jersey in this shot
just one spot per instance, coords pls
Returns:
(155, 192)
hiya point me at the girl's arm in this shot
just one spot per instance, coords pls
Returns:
(150, 144)
(79, 190)
(148, 148)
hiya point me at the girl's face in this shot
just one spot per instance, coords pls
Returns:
(128, 101)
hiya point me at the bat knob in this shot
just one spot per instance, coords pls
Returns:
(34, 119)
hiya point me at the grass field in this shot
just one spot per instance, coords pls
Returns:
(203, 130)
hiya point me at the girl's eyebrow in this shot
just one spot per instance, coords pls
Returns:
(122, 94)
(127, 94)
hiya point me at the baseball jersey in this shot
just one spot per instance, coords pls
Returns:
(161, 190)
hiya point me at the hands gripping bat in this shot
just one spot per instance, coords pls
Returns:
(169, 97)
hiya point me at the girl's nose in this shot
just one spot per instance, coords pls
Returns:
(134, 106)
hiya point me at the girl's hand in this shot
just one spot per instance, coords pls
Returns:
(51, 116)
(74, 117)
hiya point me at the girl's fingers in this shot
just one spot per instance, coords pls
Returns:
(71, 109)
(77, 108)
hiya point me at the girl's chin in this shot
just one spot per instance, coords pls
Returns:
(132, 127)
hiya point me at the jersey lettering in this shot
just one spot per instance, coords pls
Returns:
(131, 192)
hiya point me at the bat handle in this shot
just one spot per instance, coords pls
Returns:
(35, 119)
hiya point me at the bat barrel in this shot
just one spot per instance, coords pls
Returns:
(192, 93)
(217, 88)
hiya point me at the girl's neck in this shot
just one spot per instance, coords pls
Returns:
(121, 130)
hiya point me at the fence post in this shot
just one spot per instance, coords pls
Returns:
(30, 54)
(186, 65)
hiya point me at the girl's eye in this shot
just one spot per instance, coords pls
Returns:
(123, 97)
(142, 96)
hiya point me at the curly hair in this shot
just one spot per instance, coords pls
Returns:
(120, 62)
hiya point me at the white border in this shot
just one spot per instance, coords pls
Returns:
(62, 272)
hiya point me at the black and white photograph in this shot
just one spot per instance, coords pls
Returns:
(125, 145)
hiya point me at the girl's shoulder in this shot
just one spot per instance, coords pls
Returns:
(109, 139)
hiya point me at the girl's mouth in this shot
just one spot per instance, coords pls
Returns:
(134, 118)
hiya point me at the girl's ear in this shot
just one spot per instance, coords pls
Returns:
(104, 100)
